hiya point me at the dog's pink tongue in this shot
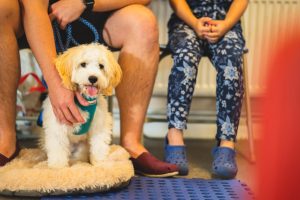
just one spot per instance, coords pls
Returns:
(92, 91)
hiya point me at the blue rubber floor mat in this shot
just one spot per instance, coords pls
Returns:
(144, 188)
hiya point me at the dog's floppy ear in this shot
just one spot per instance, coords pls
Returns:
(64, 66)
(115, 73)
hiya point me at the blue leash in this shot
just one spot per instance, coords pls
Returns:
(60, 47)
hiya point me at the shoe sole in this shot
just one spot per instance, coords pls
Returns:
(157, 175)
(216, 176)
(183, 174)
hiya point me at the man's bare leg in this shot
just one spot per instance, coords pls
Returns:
(134, 30)
(9, 73)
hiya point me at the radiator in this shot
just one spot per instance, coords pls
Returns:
(265, 23)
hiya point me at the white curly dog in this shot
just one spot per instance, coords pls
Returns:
(92, 70)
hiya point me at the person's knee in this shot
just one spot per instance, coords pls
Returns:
(147, 26)
(236, 45)
(9, 14)
(185, 55)
(143, 25)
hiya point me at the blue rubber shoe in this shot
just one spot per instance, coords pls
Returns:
(177, 155)
(224, 165)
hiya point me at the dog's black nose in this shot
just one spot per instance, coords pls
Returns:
(93, 79)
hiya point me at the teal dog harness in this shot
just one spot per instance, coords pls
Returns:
(84, 128)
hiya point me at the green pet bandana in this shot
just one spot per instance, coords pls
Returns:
(84, 128)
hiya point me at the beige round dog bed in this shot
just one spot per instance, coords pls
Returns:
(29, 175)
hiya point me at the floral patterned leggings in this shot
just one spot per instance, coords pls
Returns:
(226, 56)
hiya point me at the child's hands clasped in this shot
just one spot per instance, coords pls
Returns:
(218, 29)
(202, 27)
(211, 30)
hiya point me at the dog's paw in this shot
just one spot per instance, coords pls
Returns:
(57, 164)
(96, 161)
(99, 153)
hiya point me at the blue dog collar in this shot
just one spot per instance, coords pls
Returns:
(84, 128)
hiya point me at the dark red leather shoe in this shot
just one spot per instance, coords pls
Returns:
(147, 165)
(4, 160)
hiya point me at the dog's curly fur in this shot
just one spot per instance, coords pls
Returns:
(61, 145)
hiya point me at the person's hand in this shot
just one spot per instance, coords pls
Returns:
(218, 29)
(66, 11)
(63, 105)
(202, 26)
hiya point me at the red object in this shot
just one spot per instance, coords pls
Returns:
(146, 164)
(279, 153)
(39, 88)
(4, 160)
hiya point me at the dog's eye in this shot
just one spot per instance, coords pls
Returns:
(83, 64)
(101, 66)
